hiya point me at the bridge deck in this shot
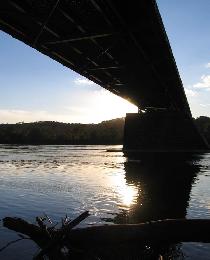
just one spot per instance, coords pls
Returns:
(120, 45)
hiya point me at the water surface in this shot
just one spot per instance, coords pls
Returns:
(115, 189)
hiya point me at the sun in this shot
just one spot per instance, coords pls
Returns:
(108, 106)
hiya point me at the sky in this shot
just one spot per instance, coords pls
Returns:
(187, 23)
(33, 87)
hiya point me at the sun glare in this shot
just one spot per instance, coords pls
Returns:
(127, 194)
(108, 106)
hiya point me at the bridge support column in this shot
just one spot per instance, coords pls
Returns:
(162, 132)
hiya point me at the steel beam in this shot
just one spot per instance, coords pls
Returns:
(105, 68)
(81, 37)
(45, 22)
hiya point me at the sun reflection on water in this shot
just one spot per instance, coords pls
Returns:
(127, 193)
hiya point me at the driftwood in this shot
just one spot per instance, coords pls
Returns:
(49, 239)
(150, 233)
(155, 232)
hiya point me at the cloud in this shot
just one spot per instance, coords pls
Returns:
(204, 83)
(78, 110)
(14, 116)
(208, 65)
(190, 92)
(83, 81)
(204, 105)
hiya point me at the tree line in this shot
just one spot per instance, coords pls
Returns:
(203, 123)
(50, 132)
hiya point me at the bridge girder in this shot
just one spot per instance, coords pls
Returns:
(123, 47)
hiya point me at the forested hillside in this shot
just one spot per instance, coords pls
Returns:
(47, 132)
(203, 123)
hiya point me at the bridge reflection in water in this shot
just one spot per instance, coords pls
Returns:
(160, 188)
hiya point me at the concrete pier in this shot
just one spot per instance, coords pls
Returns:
(162, 131)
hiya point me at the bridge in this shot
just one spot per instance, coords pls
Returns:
(121, 46)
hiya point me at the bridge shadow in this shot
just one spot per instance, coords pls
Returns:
(164, 184)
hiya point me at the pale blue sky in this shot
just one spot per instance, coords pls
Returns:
(187, 23)
(33, 87)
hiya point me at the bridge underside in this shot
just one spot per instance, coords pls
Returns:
(120, 45)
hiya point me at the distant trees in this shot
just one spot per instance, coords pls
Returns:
(203, 123)
(47, 132)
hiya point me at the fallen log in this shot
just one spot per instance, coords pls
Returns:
(21, 226)
(50, 240)
(155, 232)
(151, 233)
(59, 236)
(170, 230)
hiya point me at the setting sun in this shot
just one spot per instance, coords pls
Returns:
(108, 106)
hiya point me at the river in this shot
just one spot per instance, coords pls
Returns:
(59, 180)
